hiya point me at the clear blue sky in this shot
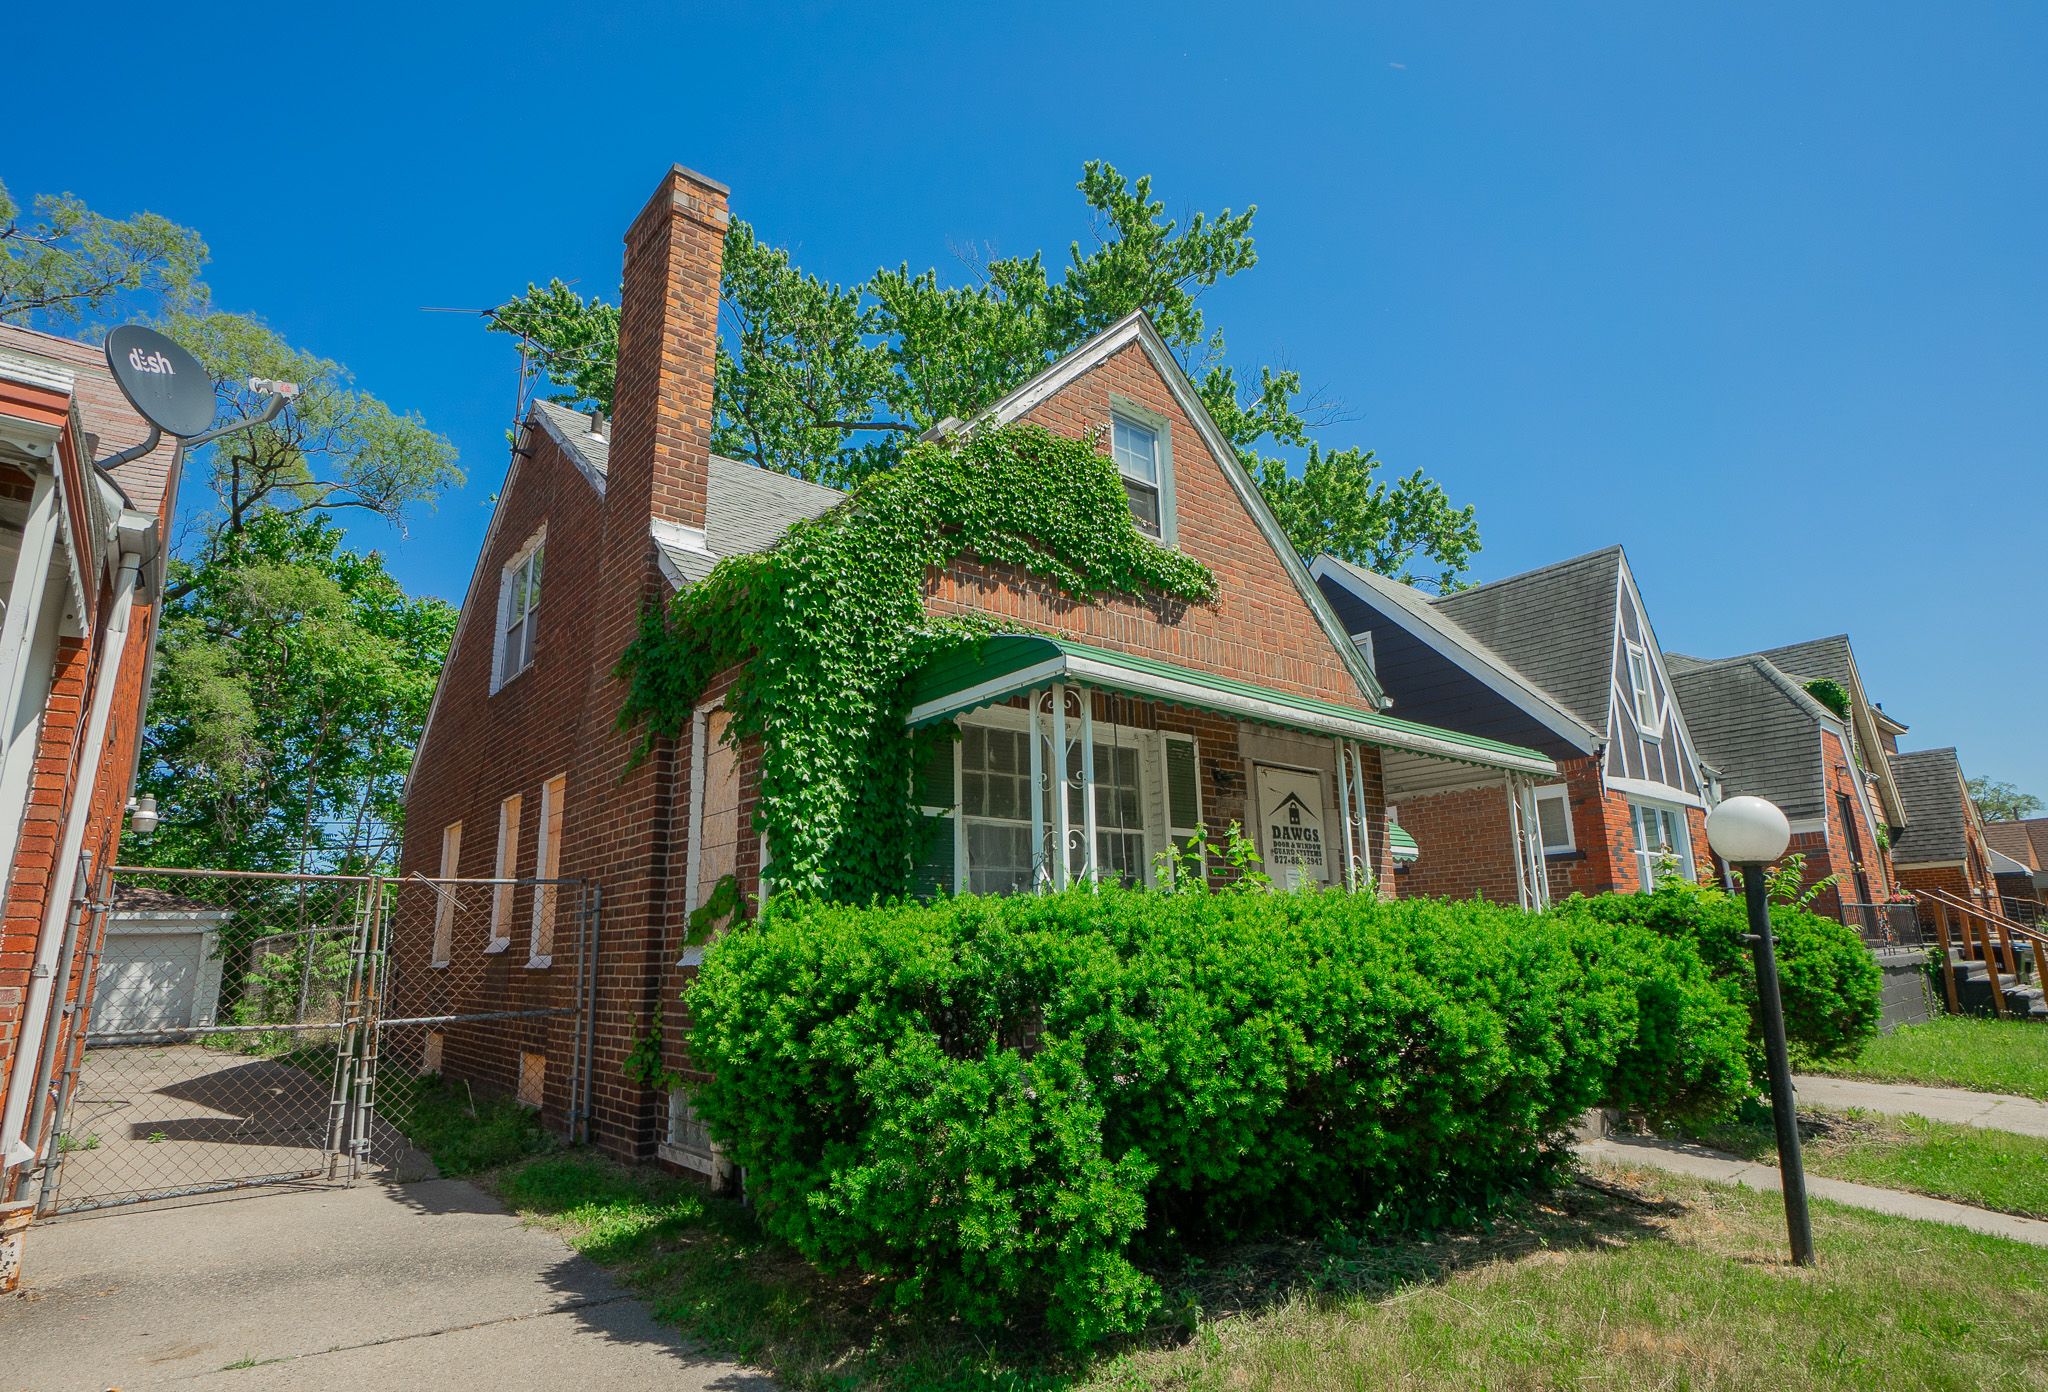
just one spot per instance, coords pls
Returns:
(1757, 290)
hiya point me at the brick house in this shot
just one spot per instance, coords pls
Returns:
(1942, 845)
(81, 545)
(1255, 707)
(2024, 888)
(1767, 737)
(1562, 659)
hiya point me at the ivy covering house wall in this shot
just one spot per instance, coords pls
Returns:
(828, 628)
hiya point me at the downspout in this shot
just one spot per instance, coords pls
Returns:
(43, 976)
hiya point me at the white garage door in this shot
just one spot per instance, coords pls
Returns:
(147, 982)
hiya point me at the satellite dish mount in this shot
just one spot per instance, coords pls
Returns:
(172, 392)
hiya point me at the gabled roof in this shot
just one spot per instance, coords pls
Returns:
(1937, 822)
(747, 508)
(1554, 625)
(2025, 841)
(1415, 611)
(1136, 328)
(1758, 729)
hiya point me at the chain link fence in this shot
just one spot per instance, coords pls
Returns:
(247, 1029)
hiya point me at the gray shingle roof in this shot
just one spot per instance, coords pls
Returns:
(1555, 625)
(1931, 782)
(1758, 729)
(1817, 657)
(747, 510)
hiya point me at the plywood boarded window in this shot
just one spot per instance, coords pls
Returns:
(547, 865)
(533, 1077)
(718, 835)
(444, 895)
(430, 1056)
(688, 1142)
(507, 868)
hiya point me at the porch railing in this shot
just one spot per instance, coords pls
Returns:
(1992, 939)
(1886, 927)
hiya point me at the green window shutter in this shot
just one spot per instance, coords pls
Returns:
(931, 872)
(1183, 788)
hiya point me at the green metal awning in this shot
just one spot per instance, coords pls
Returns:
(994, 669)
(1403, 844)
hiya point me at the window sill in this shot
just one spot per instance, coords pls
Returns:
(496, 946)
(539, 963)
(1564, 855)
(508, 679)
(441, 965)
(688, 1159)
(692, 957)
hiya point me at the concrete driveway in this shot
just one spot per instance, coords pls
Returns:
(424, 1285)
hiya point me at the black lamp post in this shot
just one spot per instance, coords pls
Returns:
(1750, 833)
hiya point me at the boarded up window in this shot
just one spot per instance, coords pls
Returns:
(547, 865)
(430, 1057)
(688, 1142)
(506, 869)
(533, 1078)
(444, 895)
(718, 839)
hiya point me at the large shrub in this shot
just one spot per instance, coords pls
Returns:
(1829, 982)
(995, 1105)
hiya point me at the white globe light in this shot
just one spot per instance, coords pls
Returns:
(1748, 831)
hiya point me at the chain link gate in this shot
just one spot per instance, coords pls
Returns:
(245, 1029)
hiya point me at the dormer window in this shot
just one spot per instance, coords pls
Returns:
(1642, 688)
(1135, 447)
(518, 610)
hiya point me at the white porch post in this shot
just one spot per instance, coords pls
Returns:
(31, 583)
(1364, 822)
(1344, 805)
(1539, 868)
(1058, 783)
(1089, 868)
(1040, 870)
(1512, 788)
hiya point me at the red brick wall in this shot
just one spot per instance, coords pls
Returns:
(1259, 628)
(1467, 845)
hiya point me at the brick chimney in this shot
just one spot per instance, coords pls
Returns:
(668, 345)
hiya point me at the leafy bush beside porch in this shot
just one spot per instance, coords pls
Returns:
(996, 1104)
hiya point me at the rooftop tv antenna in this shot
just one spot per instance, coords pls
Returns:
(171, 390)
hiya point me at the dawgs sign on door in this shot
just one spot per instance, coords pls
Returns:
(1291, 826)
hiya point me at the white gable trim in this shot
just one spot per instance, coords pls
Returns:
(1507, 685)
(1135, 327)
(590, 475)
(1674, 713)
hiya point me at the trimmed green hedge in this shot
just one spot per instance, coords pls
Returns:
(996, 1105)
(1829, 982)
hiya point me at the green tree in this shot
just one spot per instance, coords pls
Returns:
(67, 261)
(293, 680)
(827, 382)
(2002, 802)
(293, 672)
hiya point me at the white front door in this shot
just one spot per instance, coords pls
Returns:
(1291, 831)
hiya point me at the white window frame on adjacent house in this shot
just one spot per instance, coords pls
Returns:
(547, 867)
(1129, 416)
(1642, 682)
(1680, 832)
(505, 869)
(519, 585)
(444, 894)
(1558, 793)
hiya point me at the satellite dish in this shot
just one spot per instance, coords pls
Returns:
(161, 380)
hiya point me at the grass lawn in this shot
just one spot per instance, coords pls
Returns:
(1972, 1165)
(2008, 1056)
(1643, 1280)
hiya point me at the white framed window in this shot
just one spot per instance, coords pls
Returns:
(444, 895)
(1139, 442)
(1554, 819)
(1146, 797)
(1363, 642)
(1642, 685)
(1661, 841)
(505, 869)
(518, 610)
(688, 1139)
(547, 867)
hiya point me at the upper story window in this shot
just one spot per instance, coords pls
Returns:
(518, 610)
(1139, 450)
(1642, 688)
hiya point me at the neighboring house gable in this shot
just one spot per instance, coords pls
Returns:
(1875, 733)
(1940, 823)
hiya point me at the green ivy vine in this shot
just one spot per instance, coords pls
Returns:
(643, 1064)
(831, 627)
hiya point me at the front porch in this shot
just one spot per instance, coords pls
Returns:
(1154, 759)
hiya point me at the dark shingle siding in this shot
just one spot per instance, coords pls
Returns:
(1555, 625)
(1931, 783)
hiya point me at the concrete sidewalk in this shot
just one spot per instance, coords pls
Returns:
(1992, 1110)
(380, 1286)
(1681, 1158)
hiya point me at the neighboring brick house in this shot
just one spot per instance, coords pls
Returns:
(1942, 845)
(1767, 737)
(81, 549)
(1561, 659)
(2023, 884)
(1254, 707)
